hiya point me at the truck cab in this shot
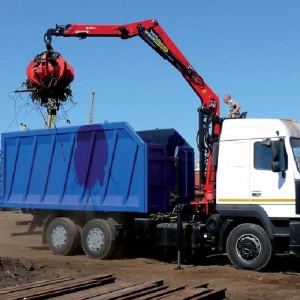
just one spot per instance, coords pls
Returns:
(258, 183)
(245, 165)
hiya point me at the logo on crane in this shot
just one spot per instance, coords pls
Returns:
(157, 41)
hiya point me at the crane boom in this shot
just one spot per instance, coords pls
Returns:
(153, 34)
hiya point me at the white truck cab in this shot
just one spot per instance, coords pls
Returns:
(258, 188)
(245, 173)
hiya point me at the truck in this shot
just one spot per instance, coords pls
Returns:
(102, 186)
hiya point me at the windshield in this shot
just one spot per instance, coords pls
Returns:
(295, 143)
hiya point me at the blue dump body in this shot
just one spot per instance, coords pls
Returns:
(102, 167)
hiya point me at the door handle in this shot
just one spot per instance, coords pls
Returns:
(256, 194)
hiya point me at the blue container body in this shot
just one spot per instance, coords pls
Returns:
(102, 167)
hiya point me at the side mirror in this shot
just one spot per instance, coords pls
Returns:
(279, 155)
(279, 163)
(276, 166)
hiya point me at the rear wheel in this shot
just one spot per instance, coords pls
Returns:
(98, 240)
(249, 247)
(63, 236)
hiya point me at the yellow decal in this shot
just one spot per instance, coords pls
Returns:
(256, 201)
(157, 41)
(161, 45)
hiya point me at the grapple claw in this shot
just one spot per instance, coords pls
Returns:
(49, 76)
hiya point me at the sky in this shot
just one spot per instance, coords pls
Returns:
(249, 49)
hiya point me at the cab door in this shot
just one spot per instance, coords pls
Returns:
(233, 172)
(270, 187)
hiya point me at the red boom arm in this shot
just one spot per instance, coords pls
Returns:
(154, 35)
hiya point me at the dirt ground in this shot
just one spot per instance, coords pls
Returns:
(280, 281)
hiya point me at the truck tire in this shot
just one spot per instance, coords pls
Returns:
(98, 240)
(63, 236)
(249, 247)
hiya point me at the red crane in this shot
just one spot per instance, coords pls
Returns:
(153, 34)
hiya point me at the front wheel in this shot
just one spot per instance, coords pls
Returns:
(249, 247)
(98, 240)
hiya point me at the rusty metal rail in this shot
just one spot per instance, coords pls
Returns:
(106, 287)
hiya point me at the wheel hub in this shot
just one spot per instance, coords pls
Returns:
(248, 247)
(59, 236)
(95, 239)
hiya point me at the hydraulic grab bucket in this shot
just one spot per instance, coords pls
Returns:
(49, 76)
